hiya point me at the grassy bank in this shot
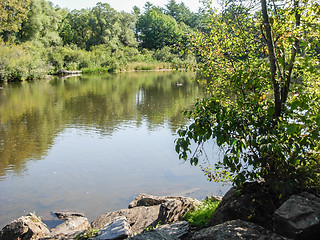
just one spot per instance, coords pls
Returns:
(31, 60)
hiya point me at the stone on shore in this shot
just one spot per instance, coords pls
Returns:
(174, 210)
(118, 228)
(236, 230)
(66, 215)
(177, 229)
(139, 218)
(25, 228)
(254, 203)
(147, 210)
(71, 226)
(150, 200)
(299, 217)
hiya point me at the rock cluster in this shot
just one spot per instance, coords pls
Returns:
(145, 212)
(238, 216)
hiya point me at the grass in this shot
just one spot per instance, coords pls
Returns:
(89, 234)
(201, 215)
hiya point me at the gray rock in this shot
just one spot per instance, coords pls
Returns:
(71, 226)
(25, 228)
(150, 200)
(299, 217)
(154, 235)
(254, 203)
(174, 210)
(139, 218)
(236, 230)
(118, 228)
(65, 215)
(176, 230)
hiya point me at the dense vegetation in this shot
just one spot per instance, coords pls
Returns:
(37, 38)
(261, 62)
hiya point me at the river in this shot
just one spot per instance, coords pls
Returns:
(91, 143)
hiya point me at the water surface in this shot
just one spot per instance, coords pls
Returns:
(92, 143)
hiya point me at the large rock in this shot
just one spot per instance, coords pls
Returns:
(299, 217)
(118, 228)
(71, 226)
(139, 218)
(154, 235)
(174, 210)
(176, 230)
(165, 232)
(25, 228)
(253, 203)
(150, 200)
(66, 215)
(236, 230)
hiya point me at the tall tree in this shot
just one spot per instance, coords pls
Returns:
(12, 13)
(156, 30)
(42, 23)
(263, 111)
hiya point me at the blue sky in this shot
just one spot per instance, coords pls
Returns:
(121, 5)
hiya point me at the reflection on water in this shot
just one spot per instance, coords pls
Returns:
(101, 140)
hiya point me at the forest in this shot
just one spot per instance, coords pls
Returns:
(38, 38)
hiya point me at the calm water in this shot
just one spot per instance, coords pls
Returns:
(92, 143)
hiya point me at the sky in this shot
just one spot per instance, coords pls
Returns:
(122, 5)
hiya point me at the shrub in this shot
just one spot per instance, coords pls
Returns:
(200, 217)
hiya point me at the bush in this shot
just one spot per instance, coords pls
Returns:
(200, 217)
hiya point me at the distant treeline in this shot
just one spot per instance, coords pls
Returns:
(37, 38)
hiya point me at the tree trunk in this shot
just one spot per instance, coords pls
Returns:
(272, 60)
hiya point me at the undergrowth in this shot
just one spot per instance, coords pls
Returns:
(201, 215)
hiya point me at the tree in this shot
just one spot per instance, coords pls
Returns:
(263, 110)
(156, 29)
(12, 13)
(181, 13)
(42, 24)
(75, 28)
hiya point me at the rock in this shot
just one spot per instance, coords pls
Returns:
(139, 218)
(71, 226)
(176, 230)
(65, 215)
(25, 228)
(147, 200)
(174, 210)
(299, 217)
(254, 203)
(150, 200)
(236, 230)
(153, 235)
(118, 228)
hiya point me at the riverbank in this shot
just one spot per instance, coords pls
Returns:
(152, 217)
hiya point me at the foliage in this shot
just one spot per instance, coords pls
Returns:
(88, 234)
(96, 39)
(21, 62)
(200, 217)
(157, 29)
(12, 13)
(42, 24)
(263, 109)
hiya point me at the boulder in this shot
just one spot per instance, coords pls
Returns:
(176, 230)
(25, 228)
(153, 235)
(253, 203)
(174, 210)
(139, 218)
(236, 230)
(150, 200)
(66, 215)
(118, 228)
(71, 226)
(299, 217)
